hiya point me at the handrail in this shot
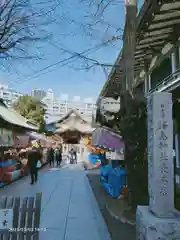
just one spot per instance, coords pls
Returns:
(165, 81)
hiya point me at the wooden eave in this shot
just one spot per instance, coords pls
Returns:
(158, 23)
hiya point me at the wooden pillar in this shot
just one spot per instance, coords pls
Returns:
(129, 43)
(175, 60)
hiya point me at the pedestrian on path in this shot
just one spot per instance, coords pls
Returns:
(51, 157)
(58, 155)
(33, 156)
(75, 156)
(71, 160)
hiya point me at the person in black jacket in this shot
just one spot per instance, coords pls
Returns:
(75, 156)
(33, 156)
(51, 157)
(58, 157)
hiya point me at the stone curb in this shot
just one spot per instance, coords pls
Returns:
(120, 218)
(101, 225)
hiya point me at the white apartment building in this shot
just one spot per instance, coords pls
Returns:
(38, 93)
(57, 107)
(8, 94)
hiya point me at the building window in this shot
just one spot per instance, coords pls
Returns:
(89, 105)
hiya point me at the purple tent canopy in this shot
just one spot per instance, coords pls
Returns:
(36, 136)
(106, 138)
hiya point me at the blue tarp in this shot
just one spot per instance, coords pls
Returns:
(93, 158)
(2, 184)
(113, 179)
(7, 163)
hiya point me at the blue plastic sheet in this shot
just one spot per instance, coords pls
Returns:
(7, 163)
(104, 172)
(2, 184)
(113, 179)
(93, 158)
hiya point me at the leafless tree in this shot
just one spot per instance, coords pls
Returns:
(95, 23)
(21, 24)
(97, 16)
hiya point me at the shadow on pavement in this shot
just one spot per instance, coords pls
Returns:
(116, 229)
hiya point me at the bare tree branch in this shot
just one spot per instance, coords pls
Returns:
(21, 24)
(93, 24)
(97, 15)
(84, 62)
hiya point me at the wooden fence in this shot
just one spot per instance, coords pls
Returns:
(26, 218)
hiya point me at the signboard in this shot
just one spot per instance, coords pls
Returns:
(6, 219)
(110, 105)
(115, 155)
(6, 137)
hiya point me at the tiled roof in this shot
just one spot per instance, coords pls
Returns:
(12, 117)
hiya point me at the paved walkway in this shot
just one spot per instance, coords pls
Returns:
(69, 208)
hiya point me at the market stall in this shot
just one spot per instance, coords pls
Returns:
(105, 137)
(94, 156)
(112, 171)
(44, 143)
(12, 125)
(10, 166)
(21, 140)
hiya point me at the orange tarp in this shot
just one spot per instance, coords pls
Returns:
(94, 149)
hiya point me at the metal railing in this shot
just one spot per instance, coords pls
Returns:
(166, 83)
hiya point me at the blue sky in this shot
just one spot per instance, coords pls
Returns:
(66, 78)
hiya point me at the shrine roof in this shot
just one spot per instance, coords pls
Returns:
(77, 127)
(68, 115)
(73, 121)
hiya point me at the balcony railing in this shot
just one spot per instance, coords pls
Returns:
(168, 84)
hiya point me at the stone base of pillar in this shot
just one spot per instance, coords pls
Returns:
(150, 227)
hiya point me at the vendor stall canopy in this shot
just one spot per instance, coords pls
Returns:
(9, 115)
(44, 141)
(106, 138)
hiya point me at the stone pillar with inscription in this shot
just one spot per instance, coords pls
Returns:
(159, 220)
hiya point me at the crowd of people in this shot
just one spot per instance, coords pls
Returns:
(33, 155)
(55, 155)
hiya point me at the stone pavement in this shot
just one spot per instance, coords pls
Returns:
(69, 208)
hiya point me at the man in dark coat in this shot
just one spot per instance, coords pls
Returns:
(51, 156)
(58, 157)
(33, 156)
(75, 156)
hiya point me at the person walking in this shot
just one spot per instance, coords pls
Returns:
(75, 156)
(33, 156)
(71, 155)
(51, 157)
(58, 157)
